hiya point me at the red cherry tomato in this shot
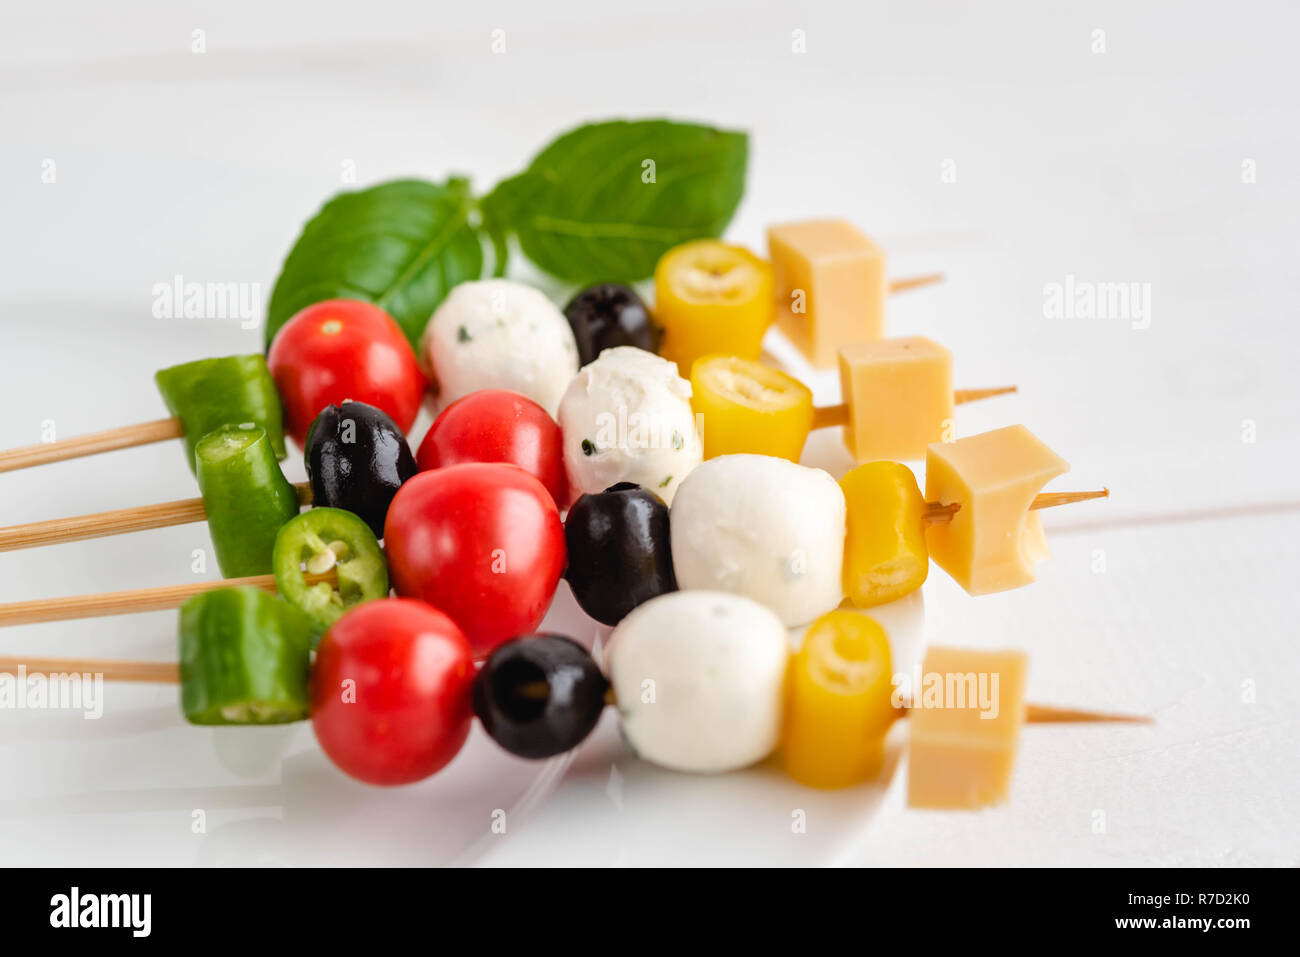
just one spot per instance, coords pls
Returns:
(344, 349)
(496, 425)
(391, 691)
(483, 542)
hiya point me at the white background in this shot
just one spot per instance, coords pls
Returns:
(1176, 597)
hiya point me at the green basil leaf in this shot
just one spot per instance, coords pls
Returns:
(591, 207)
(401, 245)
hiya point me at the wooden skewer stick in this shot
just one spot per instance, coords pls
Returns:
(936, 512)
(172, 596)
(914, 282)
(124, 437)
(129, 602)
(824, 417)
(152, 672)
(77, 528)
(162, 672)
(1051, 714)
(1048, 714)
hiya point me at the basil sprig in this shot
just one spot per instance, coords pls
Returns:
(601, 202)
(400, 245)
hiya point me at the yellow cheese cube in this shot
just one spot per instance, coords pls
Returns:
(899, 393)
(830, 286)
(965, 720)
(993, 541)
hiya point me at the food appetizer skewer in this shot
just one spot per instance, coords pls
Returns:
(189, 389)
(746, 407)
(827, 708)
(191, 510)
(166, 672)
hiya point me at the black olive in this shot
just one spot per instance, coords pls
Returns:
(357, 459)
(619, 552)
(539, 695)
(610, 315)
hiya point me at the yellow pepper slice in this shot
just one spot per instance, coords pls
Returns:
(712, 297)
(750, 407)
(885, 556)
(838, 702)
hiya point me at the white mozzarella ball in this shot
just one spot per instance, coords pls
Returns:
(626, 417)
(499, 334)
(764, 528)
(699, 677)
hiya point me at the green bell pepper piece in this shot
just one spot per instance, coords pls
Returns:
(245, 658)
(246, 496)
(322, 540)
(210, 393)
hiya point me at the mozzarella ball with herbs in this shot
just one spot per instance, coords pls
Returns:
(627, 418)
(699, 680)
(499, 334)
(764, 528)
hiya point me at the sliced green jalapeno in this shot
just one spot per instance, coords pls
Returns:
(246, 496)
(210, 393)
(320, 541)
(245, 658)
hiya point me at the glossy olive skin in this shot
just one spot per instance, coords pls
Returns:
(619, 551)
(357, 459)
(539, 695)
(610, 315)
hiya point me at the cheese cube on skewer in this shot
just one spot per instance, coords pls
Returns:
(900, 397)
(994, 540)
(830, 286)
(964, 729)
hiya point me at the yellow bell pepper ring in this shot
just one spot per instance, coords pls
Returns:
(885, 555)
(838, 707)
(749, 407)
(712, 297)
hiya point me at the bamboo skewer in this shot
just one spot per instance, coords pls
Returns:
(160, 430)
(914, 282)
(124, 437)
(827, 416)
(138, 518)
(128, 602)
(1040, 714)
(152, 672)
(936, 512)
(163, 672)
(1048, 714)
(78, 528)
(172, 596)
